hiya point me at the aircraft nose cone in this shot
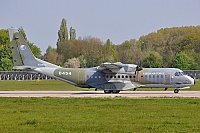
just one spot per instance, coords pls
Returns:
(192, 81)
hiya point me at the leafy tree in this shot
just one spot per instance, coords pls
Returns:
(72, 63)
(53, 57)
(5, 52)
(169, 41)
(184, 62)
(153, 59)
(83, 61)
(63, 32)
(6, 64)
(111, 53)
(4, 38)
(129, 52)
(157, 49)
(72, 34)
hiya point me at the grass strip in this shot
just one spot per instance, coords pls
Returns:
(99, 115)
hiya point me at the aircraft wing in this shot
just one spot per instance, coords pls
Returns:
(117, 67)
(112, 67)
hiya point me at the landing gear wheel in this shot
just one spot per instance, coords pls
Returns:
(176, 90)
(107, 91)
(134, 89)
(116, 91)
(165, 89)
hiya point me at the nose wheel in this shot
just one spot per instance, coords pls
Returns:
(176, 90)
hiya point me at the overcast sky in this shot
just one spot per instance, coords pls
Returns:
(118, 20)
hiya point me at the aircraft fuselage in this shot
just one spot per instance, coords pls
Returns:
(148, 78)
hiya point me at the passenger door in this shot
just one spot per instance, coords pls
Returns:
(167, 79)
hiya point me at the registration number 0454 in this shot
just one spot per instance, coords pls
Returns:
(64, 73)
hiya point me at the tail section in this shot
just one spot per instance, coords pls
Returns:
(23, 58)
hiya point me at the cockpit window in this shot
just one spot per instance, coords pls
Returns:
(179, 74)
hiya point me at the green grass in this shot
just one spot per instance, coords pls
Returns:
(99, 115)
(95, 114)
(45, 85)
(49, 85)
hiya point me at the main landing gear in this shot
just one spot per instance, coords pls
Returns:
(176, 90)
(165, 89)
(111, 91)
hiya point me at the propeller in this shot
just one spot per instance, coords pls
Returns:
(139, 67)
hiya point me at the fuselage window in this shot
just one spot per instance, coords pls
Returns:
(111, 76)
(157, 76)
(153, 76)
(99, 76)
(133, 76)
(126, 76)
(107, 76)
(95, 77)
(130, 77)
(122, 76)
(149, 76)
(142, 76)
(115, 77)
(119, 76)
(161, 76)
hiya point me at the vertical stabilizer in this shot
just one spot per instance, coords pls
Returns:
(22, 55)
(23, 58)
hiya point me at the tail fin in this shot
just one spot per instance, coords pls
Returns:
(23, 58)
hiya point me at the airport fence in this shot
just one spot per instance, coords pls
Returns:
(193, 73)
(23, 75)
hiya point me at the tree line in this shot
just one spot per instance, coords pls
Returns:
(168, 47)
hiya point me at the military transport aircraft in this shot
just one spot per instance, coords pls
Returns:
(110, 77)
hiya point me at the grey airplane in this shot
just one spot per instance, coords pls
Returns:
(110, 77)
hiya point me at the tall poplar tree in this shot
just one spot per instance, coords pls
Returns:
(63, 32)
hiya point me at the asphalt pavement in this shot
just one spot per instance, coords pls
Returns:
(97, 94)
